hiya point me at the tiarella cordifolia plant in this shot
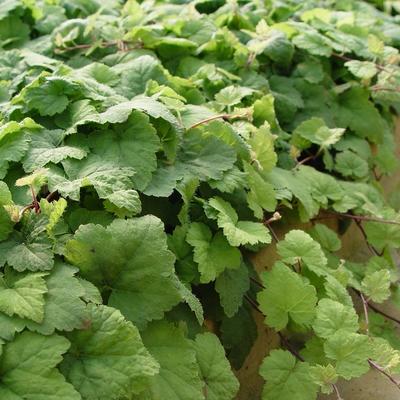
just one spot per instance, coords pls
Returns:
(147, 150)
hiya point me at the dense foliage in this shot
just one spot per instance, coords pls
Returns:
(148, 150)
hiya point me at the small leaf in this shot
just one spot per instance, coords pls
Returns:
(376, 286)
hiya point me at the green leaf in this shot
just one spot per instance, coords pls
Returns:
(219, 381)
(261, 195)
(299, 247)
(231, 95)
(107, 360)
(78, 113)
(286, 378)
(120, 112)
(138, 72)
(64, 309)
(46, 146)
(179, 374)
(14, 142)
(335, 290)
(314, 43)
(385, 355)
(359, 114)
(238, 335)
(262, 146)
(111, 182)
(349, 352)
(22, 294)
(362, 69)
(231, 286)
(333, 317)
(13, 32)
(316, 131)
(49, 95)
(130, 263)
(326, 237)
(30, 250)
(201, 158)
(238, 232)
(324, 376)
(350, 164)
(133, 144)
(6, 224)
(376, 285)
(286, 297)
(37, 356)
(381, 235)
(54, 212)
(212, 253)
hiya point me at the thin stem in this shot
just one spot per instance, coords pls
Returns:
(51, 195)
(257, 282)
(26, 208)
(365, 307)
(290, 348)
(274, 235)
(304, 160)
(370, 247)
(336, 390)
(209, 119)
(363, 218)
(376, 366)
(34, 200)
(388, 316)
(253, 303)
(378, 88)
(121, 44)
(378, 311)
(345, 58)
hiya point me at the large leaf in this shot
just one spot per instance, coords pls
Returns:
(215, 370)
(130, 263)
(28, 368)
(179, 376)
(107, 359)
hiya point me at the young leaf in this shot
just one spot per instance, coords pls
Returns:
(213, 254)
(238, 232)
(324, 376)
(376, 285)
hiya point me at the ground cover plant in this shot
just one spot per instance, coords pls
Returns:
(148, 149)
